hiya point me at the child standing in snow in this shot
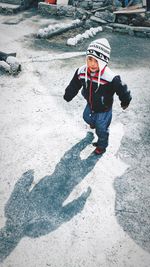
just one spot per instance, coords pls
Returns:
(99, 84)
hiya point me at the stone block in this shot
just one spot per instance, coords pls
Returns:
(97, 5)
(106, 15)
(99, 20)
(123, 19)
(108, 28)
(121, 30)
(141, 29)
(86, 5)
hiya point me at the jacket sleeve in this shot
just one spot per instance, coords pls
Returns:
(122, 91)
(73, 88)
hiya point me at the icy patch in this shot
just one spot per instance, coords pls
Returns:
(87, 34)
(57, 56)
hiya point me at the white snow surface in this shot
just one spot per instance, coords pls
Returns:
(37, 127)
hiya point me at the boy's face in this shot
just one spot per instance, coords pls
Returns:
(92, 64)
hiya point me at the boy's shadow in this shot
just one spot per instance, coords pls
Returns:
(39, 211)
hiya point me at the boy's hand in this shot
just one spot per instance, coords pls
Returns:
(124, 107)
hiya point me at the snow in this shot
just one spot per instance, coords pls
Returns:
(87, 34)
(38, 129)
(14, 64)
(48, 31)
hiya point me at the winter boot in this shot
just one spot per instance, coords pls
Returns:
(99, 151)
(92, 126)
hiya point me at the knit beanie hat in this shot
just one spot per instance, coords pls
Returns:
(100, 50)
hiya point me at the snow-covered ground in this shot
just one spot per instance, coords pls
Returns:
(78, 209)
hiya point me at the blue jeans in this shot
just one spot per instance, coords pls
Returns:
(101, 122)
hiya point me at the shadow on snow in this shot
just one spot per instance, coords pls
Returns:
(39, 211)
(132, 201)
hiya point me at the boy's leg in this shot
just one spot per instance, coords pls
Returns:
(103, 121)
(88, 116)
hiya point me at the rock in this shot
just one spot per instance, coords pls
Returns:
(98, 4)
(86, 5)
(79, 13)
(88, 24)
(138, 20)
(108, 28)
(99, 20)
(66, 10)
(147, 19)
(45, 8)
(117, 4)
(4, 67)
(71, 2)
(9, 63)
(117, 25)
(123, 19)
(132, 30)
(14, 64)
(106, 15)
(141, 29)
(82, 14)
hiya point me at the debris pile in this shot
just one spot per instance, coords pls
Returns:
(99, 12)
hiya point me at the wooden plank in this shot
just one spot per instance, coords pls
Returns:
(130, 11)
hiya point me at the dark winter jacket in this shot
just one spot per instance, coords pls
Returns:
(100, 99)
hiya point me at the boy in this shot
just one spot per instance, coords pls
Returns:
(99, 84)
